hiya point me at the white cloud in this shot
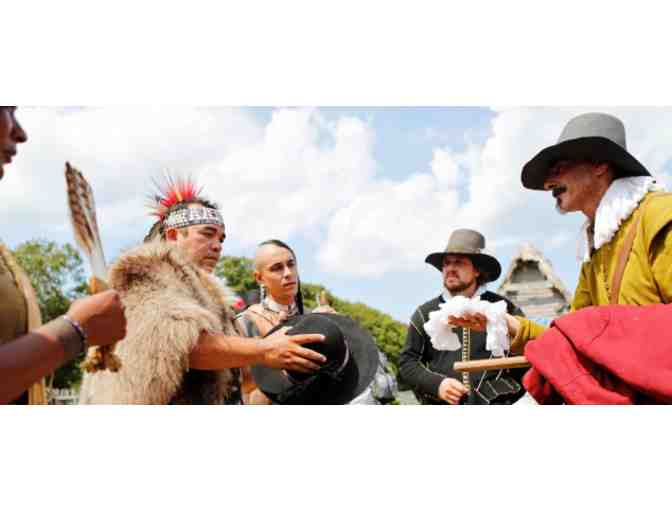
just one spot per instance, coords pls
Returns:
(300, 173)
(117, 149)
(444, 168)
(298, 164)
(293, 177)
(391, 226)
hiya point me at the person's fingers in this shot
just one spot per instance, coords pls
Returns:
(310, 355)
(303, 365)
(456, 385)
(298, 368)
(307, 338)
(456, 389)
(456, 395)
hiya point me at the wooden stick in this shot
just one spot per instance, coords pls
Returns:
(96, 285)
(491, 364)
(100, 358)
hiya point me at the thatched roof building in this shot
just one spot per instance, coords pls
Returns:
(532, 284)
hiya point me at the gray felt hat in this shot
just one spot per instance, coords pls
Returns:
(472, 244)
(591, 137)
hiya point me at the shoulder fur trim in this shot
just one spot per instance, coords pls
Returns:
(157, 262)
(168, 303)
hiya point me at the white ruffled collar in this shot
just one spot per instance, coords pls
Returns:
(618, 203)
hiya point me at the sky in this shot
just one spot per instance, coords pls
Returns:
(361, 194)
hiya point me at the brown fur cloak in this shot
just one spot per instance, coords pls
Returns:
(168, 303)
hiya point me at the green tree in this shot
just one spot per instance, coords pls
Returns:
(238, 272)
(57, 276)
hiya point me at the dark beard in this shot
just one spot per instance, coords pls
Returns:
(461, 287)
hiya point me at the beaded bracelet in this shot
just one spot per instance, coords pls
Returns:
(80, 331)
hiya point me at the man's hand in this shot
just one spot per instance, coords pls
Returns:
(101, 316)
(513, 325)
(475, 321)
(478, 322)
(451, 390)
(286, 352)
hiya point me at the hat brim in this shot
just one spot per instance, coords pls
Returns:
(486, 264)
(356, 377)
(595, 148)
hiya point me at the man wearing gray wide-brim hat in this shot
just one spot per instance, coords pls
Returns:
(466, 268)
(627, 248)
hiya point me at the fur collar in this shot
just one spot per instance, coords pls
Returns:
(168, 303)
(618, 203)
(155, 260)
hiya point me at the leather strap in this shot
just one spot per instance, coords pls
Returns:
(623, 257)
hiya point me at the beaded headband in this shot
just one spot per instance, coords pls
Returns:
(193, 216)
(182, 191)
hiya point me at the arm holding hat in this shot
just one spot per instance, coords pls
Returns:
(217, 351)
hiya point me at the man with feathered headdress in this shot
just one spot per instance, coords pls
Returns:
(182, 345)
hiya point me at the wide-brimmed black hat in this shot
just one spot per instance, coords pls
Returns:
(352, 360)
(592, 137)
(472, 244)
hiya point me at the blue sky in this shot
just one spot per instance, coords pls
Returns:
(362, 194)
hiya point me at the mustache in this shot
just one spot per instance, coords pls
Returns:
(558, 191)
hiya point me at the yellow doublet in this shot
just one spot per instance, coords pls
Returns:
(648, 274)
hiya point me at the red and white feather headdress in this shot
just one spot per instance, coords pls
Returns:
(181, 190)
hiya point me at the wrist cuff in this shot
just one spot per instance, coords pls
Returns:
(71, 340)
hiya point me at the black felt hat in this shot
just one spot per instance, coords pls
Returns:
(592, 137)
(352, 360)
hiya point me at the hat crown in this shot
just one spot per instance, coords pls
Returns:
(466, 240)
(334, 346)
(595, 125)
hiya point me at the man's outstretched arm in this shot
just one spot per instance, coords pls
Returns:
(217, 351)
